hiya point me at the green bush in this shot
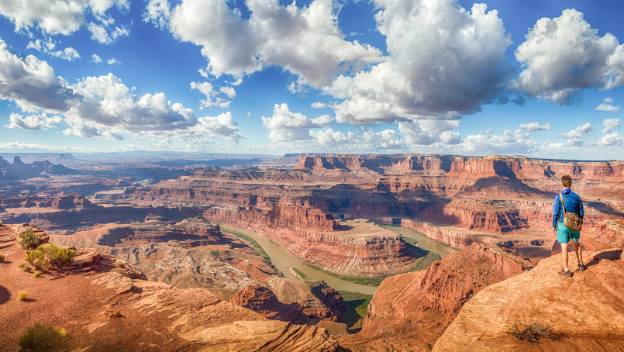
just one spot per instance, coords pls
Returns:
(42, 338)
(28, 239)
(48, 256)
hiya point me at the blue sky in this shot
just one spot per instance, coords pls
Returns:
(538, 78)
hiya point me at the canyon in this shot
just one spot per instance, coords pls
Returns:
(296, 247)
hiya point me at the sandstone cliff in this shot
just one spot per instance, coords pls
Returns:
(103, 308)
(409, 311)
(587, 311)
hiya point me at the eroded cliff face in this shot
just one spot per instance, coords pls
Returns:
(587, 310)
(107, 307)
(409, 311)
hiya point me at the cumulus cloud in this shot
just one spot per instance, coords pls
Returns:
(102, 34)
(304, 41)
(574, 136)
(48, 46)
(607, 105)
(563, 55)
(318, 105)
(611, 139)
(95, 58)
(34, 121)
(489, 142)
(608, 125)
(113, 61)
(285, 125)
(31, 83)
(157, 12)
(534, 126)
(428, 132)
(443, 61)
(213, 97)
(107, 101)
(58, 17)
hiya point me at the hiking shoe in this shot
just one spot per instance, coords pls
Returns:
(565, 273)
(582, 267)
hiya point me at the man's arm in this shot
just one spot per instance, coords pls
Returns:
(556, 210)
(581, 210)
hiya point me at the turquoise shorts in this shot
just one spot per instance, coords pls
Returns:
(564, 234)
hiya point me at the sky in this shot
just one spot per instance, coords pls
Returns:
(541, 78)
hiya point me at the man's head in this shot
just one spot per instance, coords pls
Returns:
(566, 181)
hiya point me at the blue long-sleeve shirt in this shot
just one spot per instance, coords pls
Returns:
(573, 204)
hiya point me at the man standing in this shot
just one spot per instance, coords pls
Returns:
(571, 203)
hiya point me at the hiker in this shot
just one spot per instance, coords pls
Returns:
(567, 222)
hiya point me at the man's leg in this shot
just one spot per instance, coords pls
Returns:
(564, 256)
(578, 251)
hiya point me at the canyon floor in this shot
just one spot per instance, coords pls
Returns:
(321, 253)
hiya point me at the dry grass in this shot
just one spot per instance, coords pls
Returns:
(22, 295)
(40, 338)
(533, 332)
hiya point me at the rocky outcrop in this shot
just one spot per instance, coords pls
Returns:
(20, 170)
(409, 311)
(74, 219)
(587, 310)
(105, 309)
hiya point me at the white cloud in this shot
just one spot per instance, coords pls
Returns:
(318, 105)
(563, 55)
(574, 136)
(95, 58)
(488, 142)
(31, 83)
(157, 12)
(213, 97)
(107, 102)
(55, 17)
(33, 122)
(443, 61)
(305, 41)
(285, 125)
(534, 126)
(208, 130)
(608, 125)
(47, 47)
(330, 137)
(611, 139)
(113, 61)
(428, 132)
(607, 105)
(103, 35)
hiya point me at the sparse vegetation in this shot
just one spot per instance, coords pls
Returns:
(361, 280)
(534, 332)
(48, 256)
(300, 273)
(43, 338)
(28, 239)
(2, 258)
(22, 295)
(255, 245)
(357, 307)
(37, 273)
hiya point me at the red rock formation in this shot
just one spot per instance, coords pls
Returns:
(409, 311)
(587, 310)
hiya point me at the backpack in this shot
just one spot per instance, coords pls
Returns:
(570, 220)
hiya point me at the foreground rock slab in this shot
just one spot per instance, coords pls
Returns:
(587, 310)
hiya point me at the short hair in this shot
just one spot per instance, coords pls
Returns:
(566, 181)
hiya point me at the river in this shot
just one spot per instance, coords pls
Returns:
(285, 262)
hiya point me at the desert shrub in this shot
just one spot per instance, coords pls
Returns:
(40, 338)
(1, 258)
(48, 256)
(534, 332)
(37, 273)
(22, 295)
(28, 239)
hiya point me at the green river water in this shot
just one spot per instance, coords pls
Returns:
(292, 266)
